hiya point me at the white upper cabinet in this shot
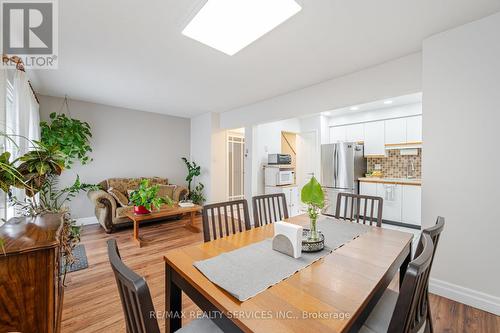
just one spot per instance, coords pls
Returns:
(395, 131)
(355, 133)
(414, 129)
(375, 138)
(337, 134)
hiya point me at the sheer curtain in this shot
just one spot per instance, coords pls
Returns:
(22, 119)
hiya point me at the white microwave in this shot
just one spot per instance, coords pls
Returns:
(277, 177)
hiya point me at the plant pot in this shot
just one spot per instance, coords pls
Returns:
(141, 210)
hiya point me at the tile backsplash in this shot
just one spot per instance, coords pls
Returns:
(395, 165)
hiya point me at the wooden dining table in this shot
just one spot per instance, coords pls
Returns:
(334, 294)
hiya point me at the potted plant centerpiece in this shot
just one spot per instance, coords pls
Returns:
(312, 195)
(146, 198)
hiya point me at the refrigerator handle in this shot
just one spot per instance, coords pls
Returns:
(336, 165)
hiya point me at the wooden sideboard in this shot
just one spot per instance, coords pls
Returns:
(31, 289)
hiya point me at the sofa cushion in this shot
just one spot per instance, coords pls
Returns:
(166, 190)
(120, 198)
(125, 184)
(121, 211)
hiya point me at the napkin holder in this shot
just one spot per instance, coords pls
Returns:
(288, 239)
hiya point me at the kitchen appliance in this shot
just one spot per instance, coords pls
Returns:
(341, 165)
(276, 176)
(279, 159)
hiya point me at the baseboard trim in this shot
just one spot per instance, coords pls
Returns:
(87, 220)
(466, 296)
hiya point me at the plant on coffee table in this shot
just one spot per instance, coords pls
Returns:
(146, 198)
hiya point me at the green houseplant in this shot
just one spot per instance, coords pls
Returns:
(69, 135)
(146, 198)
(312, 195)
(194, 170)
(197, 195)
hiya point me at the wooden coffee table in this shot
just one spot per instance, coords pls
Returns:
(164, 211)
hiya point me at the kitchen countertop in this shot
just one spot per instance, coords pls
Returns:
(398, 181)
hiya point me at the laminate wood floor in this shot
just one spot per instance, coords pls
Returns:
(92, 304)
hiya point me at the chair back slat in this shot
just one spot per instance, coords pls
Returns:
(216, 219)
(134, 295)
(269, 208)
(354, 207)
(410, 313)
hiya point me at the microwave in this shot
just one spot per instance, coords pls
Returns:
(278, 177)
(279, 159)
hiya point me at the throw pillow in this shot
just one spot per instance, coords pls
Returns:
(167, 190)
(119, 197)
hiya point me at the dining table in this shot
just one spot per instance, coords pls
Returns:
(334, 294)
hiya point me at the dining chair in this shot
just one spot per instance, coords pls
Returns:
(406, 311)
(434, 232)
(137, 303)
(224, 219)
(269, 208)
(349, 206)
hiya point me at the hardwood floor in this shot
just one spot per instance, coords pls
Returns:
(92, 304)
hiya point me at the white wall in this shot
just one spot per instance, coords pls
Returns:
(267, 140)
(373, 115)
(209, 150)
(125, 143)
(461, 85)
(395, 78)
(201, 152)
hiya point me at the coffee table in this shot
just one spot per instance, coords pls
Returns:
(164, 211)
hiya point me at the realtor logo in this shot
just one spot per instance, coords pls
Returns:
(29, 31)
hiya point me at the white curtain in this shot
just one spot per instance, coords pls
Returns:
(22, 119)
(24, 116)
(3, 111)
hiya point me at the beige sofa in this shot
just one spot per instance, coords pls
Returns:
(111, 214)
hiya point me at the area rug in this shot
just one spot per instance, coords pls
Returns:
(80, 260)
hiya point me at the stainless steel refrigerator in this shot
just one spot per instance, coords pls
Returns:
(341, 166)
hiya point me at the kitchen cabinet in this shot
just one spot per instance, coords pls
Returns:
(391, 193)
(374, 138)
(355, 133)
(337, 134)
(291, 196)
(414, 129)
(402, 203)
(412, 203)
(395, 131)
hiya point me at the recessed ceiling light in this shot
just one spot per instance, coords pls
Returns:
(231, 25)
(354, 108)
(328, 113)
(388, 102)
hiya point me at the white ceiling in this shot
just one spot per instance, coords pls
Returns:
(377, 105)
(132, 54)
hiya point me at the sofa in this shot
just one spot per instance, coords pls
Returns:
(110, 212)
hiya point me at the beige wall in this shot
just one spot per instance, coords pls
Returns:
(126, 143)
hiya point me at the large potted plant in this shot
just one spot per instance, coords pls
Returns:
(64, 140)
(194, 170)
(312, 195)
(145, 198)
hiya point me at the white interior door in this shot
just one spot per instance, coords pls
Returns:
(308, 157)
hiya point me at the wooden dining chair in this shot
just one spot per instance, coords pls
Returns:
(137, 303)
(224, 219)
(359, 208)
(434, 232)
(269, 208)
(406, 311)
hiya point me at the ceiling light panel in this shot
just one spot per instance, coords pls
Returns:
(231, 25)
